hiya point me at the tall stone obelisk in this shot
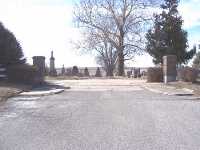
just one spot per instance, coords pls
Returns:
(52, 71)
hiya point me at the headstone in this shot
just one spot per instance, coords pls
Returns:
(52, 70)
(134, 72)
(68, 72)
(129, 74)
(138, 73)
(63, 70)
(169, 68)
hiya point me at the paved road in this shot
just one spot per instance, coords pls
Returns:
(103, 119)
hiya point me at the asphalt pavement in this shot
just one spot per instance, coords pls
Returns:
(103, 116)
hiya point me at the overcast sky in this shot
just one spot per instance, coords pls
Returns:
(45, 25)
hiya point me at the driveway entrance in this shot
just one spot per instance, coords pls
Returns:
(100, 115)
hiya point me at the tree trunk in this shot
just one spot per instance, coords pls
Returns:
(120, 66)
(109, 72)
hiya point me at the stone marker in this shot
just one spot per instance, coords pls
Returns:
(63, 70)
(169, 68)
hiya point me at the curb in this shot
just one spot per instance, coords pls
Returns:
(188, 92)
(194, 98)
(43, 93)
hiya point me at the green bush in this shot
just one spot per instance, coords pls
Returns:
(24, 73)
(75, 71)
(86, 72)
(98, 72)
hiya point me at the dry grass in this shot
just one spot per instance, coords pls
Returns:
(9, 89)
(189, 85)
(65, 78)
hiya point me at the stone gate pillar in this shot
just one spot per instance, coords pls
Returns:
(39, 62)
(169, 68)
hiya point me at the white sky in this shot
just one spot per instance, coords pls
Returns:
(45, 25)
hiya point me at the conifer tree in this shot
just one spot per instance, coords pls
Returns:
(98, 72)
(86, 72)
(167, 36)
(10, 49)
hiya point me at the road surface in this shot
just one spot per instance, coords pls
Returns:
(103, 115)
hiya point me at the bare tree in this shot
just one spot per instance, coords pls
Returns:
(107, 58)
(106, 54)
(120, 22)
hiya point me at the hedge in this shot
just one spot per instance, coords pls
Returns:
(155, 74)
(24, 73)
(187, 74)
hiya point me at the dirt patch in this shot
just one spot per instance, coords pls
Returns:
(9, 89)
